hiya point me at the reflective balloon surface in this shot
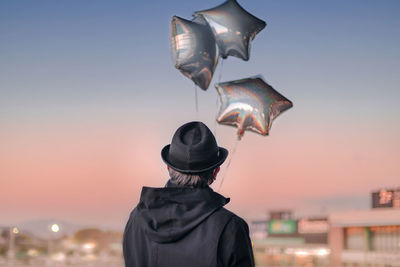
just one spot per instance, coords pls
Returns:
(233, 27)
(194, 50)
(250, 104)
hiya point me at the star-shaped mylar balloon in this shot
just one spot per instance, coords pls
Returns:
(233, 27)
(250, 104)
(194, 50)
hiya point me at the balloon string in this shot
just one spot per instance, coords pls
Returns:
(196, 100)
(216, 112)
(220, 70)
(215, 120)
(216, 102)
(228, 164)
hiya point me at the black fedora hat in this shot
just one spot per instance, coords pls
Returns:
(193, 149)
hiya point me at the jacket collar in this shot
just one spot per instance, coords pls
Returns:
(171, 183)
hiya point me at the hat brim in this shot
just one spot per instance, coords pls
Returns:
(222, 155)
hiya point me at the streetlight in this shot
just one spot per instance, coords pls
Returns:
(54, 228)
(11, 246)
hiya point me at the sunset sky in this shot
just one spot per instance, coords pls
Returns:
(89, 96)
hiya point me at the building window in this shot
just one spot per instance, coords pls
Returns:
(385, 238)
(355, 239)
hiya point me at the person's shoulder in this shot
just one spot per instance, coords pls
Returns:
(235, 220)
(132, 214)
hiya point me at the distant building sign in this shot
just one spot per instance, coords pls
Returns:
(386, 198)
(281, 226)
(305, 226)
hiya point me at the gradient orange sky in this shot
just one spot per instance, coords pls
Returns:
(94, 173)
(89, 96)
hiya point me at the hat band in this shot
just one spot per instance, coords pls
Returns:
(192, 163)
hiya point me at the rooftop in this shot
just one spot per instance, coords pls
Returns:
(373, 217)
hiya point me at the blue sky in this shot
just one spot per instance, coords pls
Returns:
(70, 52)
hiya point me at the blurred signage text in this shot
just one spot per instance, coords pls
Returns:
(386, 198)
(306, 226)
(281, 226)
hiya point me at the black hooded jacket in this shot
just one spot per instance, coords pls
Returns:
(185, 227)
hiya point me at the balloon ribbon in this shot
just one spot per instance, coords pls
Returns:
(228, 164)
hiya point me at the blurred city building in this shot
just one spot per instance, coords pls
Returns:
(350, 238)
(85, 246)
(368, 238)
(284, 241)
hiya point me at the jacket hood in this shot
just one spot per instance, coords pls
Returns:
(170, 213)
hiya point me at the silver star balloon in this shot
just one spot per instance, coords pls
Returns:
(233, 27)
(194, 50)
(250, 104)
